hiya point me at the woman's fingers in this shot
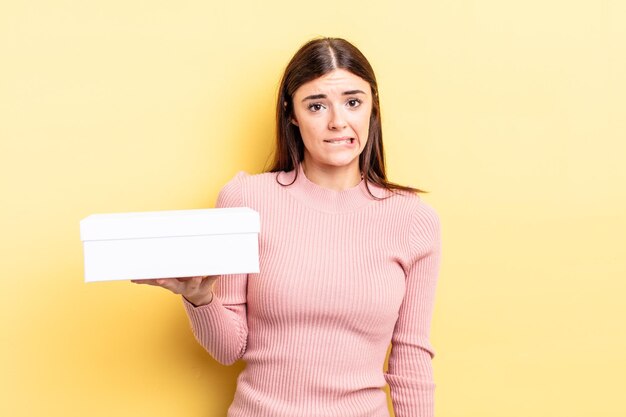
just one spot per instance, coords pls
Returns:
(192, 284)
(184, 285)
(172, 284)
(144, 281)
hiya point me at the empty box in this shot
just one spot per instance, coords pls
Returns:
(168, 244)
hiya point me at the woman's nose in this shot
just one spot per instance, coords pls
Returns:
(337, 120)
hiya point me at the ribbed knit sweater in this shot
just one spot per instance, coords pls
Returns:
(341, 276)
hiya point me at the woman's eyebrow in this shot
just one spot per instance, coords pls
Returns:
(321, 96)
(314, 97)
(352, 92)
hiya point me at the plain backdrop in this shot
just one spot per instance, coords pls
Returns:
(510, 113)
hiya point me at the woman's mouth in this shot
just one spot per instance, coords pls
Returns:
(338, 141)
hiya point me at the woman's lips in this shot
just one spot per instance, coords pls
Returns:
(340, 140)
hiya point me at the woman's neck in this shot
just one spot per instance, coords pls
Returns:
(334, 178)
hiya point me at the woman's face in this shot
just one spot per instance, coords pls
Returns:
(333, 114)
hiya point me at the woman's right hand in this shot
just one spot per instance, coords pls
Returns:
(197, 290)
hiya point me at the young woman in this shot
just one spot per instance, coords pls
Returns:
(348, 260)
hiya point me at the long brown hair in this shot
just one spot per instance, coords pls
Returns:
(313, 60)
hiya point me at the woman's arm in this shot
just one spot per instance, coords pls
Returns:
(410, 375)
(221, 326)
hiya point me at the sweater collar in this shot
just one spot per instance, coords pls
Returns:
(325, 199)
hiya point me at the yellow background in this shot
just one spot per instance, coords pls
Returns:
(511, 113)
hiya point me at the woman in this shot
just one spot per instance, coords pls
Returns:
(348, 260)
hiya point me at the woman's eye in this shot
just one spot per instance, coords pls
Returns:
(315, 107)
(354, 102)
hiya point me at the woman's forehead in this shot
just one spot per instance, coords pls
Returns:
(337, 81)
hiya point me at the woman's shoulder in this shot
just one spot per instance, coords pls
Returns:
(411, 202)
(424, 210)
(414, 213)
(245, 185)
(425, 221)
(245, 179)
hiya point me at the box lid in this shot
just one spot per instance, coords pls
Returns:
(152, 224)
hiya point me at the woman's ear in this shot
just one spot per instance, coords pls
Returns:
(293, 119)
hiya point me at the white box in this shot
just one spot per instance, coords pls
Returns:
(168, 244)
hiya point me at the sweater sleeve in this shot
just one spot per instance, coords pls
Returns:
(221, 326)
(409, 374)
